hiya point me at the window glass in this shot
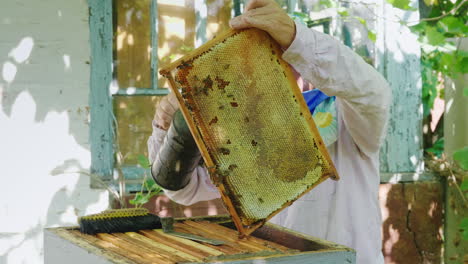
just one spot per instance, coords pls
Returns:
(134, 115)
(132, 43)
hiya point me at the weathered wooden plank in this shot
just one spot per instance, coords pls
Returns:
(162, 247)
(233, 240)
(261, 242)
(101, 128)
(130, 248)
(109, 247)
(398, 59)
(150, 248)
(185, 245)
(225, 248)
(188, 242)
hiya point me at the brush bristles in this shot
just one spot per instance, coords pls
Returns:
(119, 221)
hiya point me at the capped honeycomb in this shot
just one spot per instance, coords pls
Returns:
(253, 128)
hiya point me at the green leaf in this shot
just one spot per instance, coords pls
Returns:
(421, 27)
(465, 234)
(300, 15)
(326, 3)
(401, 4)
(431, 2)
(343, 13)
(461, 156)
(362, 21)
(448, 64)
(453, 25)
(150, 183)
(434, 37)
(372, 36)
(464, 223)
(143, 161)
(461, 65)
(464, 185)
(465, 92)
(186, 48)
(437, 148)
(137, 199)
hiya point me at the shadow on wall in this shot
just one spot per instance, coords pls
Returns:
(34, 197)
(44, 88)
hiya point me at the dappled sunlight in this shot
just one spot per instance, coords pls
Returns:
(44, 92)
(22, 52)
(66, 62)
(176, 28)
(32, 244)
(398, 31)
(9, 71)
(31, 159)
(393, 238)
(180, 3)
(188, 212)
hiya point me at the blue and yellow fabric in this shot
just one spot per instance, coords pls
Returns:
(323, 110)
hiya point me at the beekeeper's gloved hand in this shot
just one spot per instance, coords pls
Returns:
(178, 156)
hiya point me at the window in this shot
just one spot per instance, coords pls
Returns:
(129, 39)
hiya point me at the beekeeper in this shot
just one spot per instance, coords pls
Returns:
(345, 211)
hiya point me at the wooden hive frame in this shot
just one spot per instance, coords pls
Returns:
(185, 61)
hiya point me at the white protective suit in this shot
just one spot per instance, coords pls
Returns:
(345, 211)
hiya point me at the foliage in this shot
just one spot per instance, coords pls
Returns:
(461, 156)
(439, 35)
(438, 148)
(149, 188)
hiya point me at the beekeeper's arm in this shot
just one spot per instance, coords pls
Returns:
(363, 95)
(175, 157)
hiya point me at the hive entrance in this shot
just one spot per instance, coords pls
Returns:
(252, 126)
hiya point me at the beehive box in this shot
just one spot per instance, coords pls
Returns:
(268, 244)
(251, 124)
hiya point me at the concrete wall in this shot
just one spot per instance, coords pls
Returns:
(44, 127)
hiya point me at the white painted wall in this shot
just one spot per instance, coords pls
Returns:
(44, 88)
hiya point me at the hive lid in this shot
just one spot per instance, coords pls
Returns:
(251, 124)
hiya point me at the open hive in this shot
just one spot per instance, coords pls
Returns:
(269, 244)
(251, 124)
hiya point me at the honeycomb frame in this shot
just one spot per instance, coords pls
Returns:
(215, 107)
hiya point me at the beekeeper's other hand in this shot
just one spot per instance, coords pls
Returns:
(165, 111)
(267, 15)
